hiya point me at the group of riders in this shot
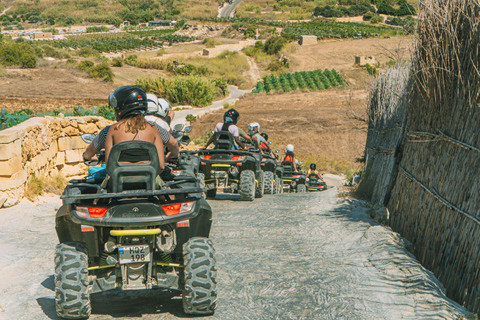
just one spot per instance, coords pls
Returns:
(144, 117)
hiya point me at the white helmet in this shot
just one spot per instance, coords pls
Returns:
(289, 148)
(252, 126)
(164, 107)
(152, 103)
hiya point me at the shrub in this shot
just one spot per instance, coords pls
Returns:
(191, 118)
(85, 65)
(405, 9)
(117, 62)
(251, 31)
(102, 71)
(88, 52)
(131, 60)
(273, 45)
(209, 43)
(97, 29)
(386, 9)
(376, 19)
(21, 54)
(368, 16)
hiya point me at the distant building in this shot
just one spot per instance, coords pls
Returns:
(42, 35)
(161, 23)
(305, 40)
(361, 60)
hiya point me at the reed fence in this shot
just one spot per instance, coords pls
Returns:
(435, 199)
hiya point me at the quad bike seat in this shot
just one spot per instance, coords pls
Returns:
(223, 140)
(313, 176)
(289, 165)
(127, 172)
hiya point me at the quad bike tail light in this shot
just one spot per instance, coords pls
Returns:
(205, 157)
(295, 175)
(238, 158)
(177, 208)
(91, 212)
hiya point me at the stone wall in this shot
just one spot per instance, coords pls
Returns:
(42, 147)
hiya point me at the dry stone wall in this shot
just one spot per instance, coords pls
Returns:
(42, 147)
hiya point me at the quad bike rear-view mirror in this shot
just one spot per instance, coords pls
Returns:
(88, 137)
(269, 142)
(188, 129)
(178, 127)
(177, 134)
(277, 151)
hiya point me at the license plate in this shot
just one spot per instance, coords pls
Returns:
(133, 254)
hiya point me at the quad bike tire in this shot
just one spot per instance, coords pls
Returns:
(201, 181)
(211, 193)
(301, 188)
(269, 182)
(199, 295)
(260, 186)
(247, 185)
(72, 299)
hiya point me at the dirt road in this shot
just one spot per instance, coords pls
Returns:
(310, 256)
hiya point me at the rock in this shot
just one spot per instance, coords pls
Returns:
(10, 203)
(3, 198)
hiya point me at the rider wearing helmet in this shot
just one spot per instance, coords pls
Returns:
(130, 105)
(289, 155)
(99, 141)
(230, 119)
(253, 132)
(159, 111)
(264, 147)
(313, 172)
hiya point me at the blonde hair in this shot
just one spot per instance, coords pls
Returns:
(133, 124)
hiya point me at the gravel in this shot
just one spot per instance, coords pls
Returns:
(290, 256)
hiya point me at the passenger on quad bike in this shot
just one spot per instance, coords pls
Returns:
(289, 155)
(313, 171)
(253, 132)
(264, 146)
(99, 143)
(159, 111)
(230, 119)
(125, 232)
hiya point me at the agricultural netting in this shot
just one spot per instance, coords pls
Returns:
(11, 119)
(305, 80)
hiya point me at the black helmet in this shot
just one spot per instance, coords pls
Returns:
(231, 116)
(313, 166)
(128, 101)
(264, 135)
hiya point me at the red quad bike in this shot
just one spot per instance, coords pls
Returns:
(127, 234)
(235, 171)
(293, 180)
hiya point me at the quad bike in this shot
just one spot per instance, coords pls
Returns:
(125, 233)
(271, 170)
(234, 171)
(293, 180)
(314, 183)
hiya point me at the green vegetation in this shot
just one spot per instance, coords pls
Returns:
(18, 54)
(120, 41)
(408, 23)
(328, 29)
(193, 90)
(322, 28)
(305, 80)
(340, 11)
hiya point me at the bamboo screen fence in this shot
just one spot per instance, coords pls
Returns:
(386, 125)
(435, 201)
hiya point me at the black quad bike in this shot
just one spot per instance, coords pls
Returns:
(293, 180)
(314, 183)
(234, 171)
(124, 232)
(272, 172)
